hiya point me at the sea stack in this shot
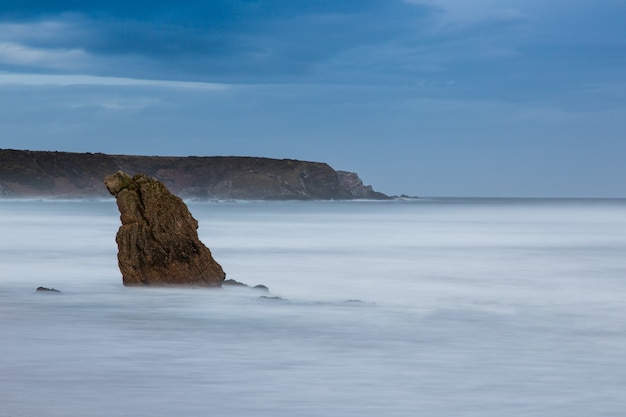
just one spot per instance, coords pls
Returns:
(158, 242)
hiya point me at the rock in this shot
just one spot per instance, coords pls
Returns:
(265, 297)
(234, 283)
(158, 240)
(44, 289)
(350, 181)
(261, 287)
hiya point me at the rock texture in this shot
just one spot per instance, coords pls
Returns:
(158, 241)
(79, 175)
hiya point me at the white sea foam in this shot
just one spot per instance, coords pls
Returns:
(466, 308)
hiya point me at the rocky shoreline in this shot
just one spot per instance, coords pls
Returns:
(26, 173)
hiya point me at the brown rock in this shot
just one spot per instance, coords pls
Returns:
(158, 241)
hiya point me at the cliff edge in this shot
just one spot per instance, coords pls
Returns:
(79, 175)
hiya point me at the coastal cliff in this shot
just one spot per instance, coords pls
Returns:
(79, 175)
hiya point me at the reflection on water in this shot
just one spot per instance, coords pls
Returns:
(465, 307)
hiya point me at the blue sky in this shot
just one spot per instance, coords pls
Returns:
(423, 97)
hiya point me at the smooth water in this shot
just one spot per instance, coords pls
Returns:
(407, 308)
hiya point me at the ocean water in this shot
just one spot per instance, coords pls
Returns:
(431, 307)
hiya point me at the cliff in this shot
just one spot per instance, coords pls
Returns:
(79, 175)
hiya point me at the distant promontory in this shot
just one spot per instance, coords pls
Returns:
(26, 173)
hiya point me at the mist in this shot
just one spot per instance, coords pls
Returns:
(440, 307)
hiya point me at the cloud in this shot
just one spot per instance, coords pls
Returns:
(14, 54)
(483, 47)
(218, 40)
(454, 11)
(115, 103)
(70, 80)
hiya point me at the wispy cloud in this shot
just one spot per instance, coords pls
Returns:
(285, 41)
(14, 54)
(454, 11)
(114, 103)
(7, 78)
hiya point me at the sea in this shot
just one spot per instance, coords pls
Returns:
(418, 307)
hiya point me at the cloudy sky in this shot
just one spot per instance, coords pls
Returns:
(423, 97)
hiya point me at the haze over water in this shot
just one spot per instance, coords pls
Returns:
(442, 307)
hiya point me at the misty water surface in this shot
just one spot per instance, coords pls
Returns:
(443, 307)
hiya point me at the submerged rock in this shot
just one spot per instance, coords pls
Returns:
(266, 297)
(234, 283)
(44, 289)
(158, 241)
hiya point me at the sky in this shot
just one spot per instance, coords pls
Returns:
(486, 98)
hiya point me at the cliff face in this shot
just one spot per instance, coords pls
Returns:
(78, 175)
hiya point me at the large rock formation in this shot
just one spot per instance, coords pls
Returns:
(158, 241)
(79, 175)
